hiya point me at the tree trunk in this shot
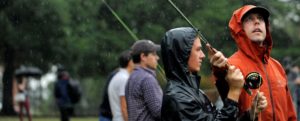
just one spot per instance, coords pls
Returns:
(8, 81)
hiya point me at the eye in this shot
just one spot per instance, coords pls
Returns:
(198, 48)
(259, 17)
(248, 18)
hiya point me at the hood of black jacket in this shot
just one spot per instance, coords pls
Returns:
(175, 49)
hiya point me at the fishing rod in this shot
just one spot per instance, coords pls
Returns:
(202, 38)
(161, 71)
(250, 81)
(253, 80)
(256, 82)
(255, 103)
(121, 21)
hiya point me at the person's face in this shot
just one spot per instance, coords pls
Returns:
(255, 27)
(150, 60)
(196, 56)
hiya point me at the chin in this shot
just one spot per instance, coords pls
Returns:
(257, 40)
(197, 70)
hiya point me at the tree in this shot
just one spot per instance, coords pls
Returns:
(31, 32)
(86, 38)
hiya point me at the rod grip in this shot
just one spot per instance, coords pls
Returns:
(212, 51)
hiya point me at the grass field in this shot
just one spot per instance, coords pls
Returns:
(49, 119)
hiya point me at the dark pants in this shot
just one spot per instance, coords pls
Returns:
(27, 108)
(65, 113)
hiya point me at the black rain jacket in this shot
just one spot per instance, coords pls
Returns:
(182, 99)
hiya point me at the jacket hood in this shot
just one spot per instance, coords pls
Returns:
(249, 48)
(175, 49)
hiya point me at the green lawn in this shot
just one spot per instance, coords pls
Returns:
(49, 119)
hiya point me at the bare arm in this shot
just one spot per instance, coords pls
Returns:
(124, 108)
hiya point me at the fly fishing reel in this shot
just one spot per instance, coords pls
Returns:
(252, 81)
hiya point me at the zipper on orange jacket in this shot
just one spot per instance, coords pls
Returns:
(270, 90)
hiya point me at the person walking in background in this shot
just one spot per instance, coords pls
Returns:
(22, 98)
(143, 93)
(250, 28)
(116, 88)
(182, 57)
(62, 97)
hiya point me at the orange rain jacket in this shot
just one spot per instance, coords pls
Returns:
(252, 58)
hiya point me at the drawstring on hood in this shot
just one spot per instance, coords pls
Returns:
(249, 48)
(176, 47)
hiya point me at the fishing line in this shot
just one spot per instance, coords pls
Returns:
(161, 71)
(253, 80)
(121, 21)
(202, 38)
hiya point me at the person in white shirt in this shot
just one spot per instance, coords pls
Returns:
(116, 88)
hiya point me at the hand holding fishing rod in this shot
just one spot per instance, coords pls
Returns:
(259, 103)
(253, 80)
(250, 82)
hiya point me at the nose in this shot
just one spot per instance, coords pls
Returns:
(157, 57)
(202, 55)
(256, 20)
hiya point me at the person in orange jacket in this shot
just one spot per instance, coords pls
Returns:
(249, 27)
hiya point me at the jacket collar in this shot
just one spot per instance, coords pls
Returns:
(150, 71)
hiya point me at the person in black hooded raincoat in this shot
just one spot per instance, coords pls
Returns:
(183, 100)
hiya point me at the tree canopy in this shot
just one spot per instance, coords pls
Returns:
(85, 37)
